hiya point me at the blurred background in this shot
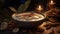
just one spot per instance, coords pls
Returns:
(29, 5)
(6, 12)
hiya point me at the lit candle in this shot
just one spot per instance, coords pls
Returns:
(52, 2)
(39, 8)
(51, 5)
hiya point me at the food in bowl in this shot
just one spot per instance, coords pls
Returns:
(28, 17)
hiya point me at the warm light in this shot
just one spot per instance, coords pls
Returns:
(42, 25)
(39, 8)
(51, 2)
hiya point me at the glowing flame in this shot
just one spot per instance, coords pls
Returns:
(51, 2)
(39, 8)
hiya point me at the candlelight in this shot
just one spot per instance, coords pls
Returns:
(51, 2)
(42, 26)
(39, 8)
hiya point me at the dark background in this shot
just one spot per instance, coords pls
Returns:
(17, 3)
(34, 3)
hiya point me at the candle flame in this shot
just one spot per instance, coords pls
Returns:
(51, 2)
(39, 8)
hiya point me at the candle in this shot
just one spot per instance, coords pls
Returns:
(51, 5)
(39, 8)
(52, 2)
